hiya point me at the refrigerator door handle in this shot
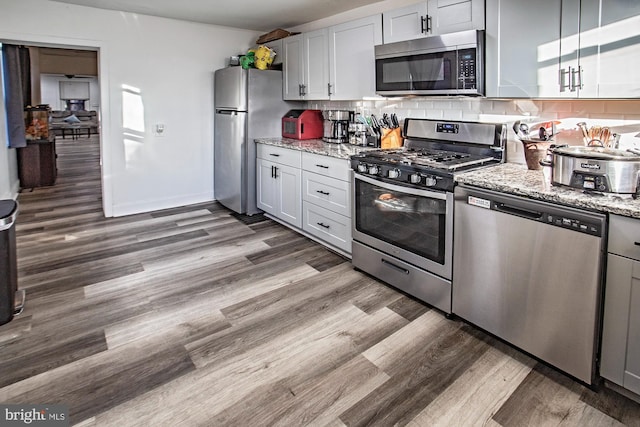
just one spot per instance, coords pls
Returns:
(227, 112)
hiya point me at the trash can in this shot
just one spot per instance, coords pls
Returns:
(8, 263)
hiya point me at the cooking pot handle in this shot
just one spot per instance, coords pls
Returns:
(546, 163)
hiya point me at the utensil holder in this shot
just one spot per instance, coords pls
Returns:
(534, 151)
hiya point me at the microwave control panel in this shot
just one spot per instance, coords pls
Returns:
(467, 68)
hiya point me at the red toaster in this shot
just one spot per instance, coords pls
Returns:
(302, 124)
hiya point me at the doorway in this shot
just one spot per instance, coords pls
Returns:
(92, 57)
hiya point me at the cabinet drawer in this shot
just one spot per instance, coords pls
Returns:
(280, 155)
(325, 165)
(331, 227)
(327, 192)
(624, 236)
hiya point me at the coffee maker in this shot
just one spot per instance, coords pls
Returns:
(336, 125)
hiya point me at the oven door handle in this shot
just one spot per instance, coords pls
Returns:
(401, 189)
(393, 266)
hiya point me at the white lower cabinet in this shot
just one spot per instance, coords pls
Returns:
(278, 181)
(331, 193)
(620, 361)
(326, 195)
(329, 226)
(311, 192)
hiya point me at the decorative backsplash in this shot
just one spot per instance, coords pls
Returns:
(622, 116)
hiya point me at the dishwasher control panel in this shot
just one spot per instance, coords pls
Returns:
(564, 217)
(573, 224)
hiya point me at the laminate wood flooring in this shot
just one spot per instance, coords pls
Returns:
(196, 316)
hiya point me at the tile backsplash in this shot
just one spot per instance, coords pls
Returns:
(622, 116)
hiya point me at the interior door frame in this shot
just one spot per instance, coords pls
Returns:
(105, 105)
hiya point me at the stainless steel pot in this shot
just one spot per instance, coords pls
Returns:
(601, 169)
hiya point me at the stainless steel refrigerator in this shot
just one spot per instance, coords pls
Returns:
(248, 105)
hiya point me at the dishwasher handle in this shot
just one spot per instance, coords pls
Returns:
(513, 210)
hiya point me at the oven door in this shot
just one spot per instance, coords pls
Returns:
(413, 225)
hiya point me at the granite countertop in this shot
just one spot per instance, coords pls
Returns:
(516, 179)
(316, 146)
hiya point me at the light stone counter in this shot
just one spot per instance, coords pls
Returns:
(517, 179)
(317, 146)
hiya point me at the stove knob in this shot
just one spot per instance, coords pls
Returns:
(415, 178)
(394, 173)
(373, 170)
(430, 181)
(362, 168)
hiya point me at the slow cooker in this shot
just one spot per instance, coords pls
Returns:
(600, 169)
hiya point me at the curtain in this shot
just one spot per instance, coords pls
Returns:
(25, 74)
(13, 94)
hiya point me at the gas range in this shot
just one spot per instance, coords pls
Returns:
(433, 152)
(403, 201)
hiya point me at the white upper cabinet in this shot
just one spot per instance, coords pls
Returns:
(316, 64)
(610, 48)
(336, 63)
(292, 67)
(352, 58)
(562, 49)
(432, 17)
(522, 48)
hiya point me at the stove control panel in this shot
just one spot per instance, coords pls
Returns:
(402, 174)
(447, 127)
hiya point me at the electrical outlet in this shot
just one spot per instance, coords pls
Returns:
(159, 129)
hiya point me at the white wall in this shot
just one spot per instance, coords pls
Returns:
(163, 70)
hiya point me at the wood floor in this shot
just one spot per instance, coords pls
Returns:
(197, 317)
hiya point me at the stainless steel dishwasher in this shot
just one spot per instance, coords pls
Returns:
(530, 273)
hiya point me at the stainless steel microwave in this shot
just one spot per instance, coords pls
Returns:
(449, 64)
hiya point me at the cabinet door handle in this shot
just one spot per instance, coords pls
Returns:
(565, 82)
(303, 90)
(274, 154)
(323, 166)
(322, 192)
(272, 171)
(329, 89)
(636, 243)
(425, 24)
(275, 172)
(576, 72)
(299, 90)
(323, 225)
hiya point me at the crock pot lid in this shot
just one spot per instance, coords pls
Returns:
(601, 153)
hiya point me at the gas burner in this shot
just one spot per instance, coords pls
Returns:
(431, 157)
